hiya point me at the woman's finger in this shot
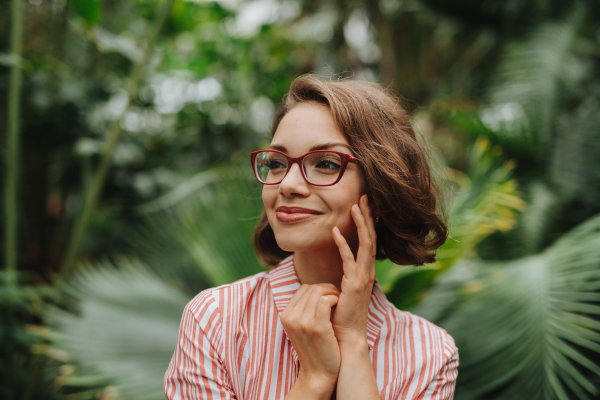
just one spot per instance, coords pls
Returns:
(345, 252)
(314, 298)
(298, 300)
(365, 246)
(330, 286)
(332, 299)
(367, 212)
(323, 311)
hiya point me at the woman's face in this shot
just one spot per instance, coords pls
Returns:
(308, 125)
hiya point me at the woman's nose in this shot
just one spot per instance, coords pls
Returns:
(294, 182)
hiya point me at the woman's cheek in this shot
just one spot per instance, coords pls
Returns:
(346, 224)
(269, 199)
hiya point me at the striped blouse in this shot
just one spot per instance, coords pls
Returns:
(232, 345)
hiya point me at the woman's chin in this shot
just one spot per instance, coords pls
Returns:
(306, 243)
(293, 247)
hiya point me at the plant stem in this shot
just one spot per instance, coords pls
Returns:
(11, 156)
(12, 141)
(92, 195)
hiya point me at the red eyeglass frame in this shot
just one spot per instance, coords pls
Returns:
(345, 159)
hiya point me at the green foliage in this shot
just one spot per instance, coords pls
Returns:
(409, 285)
(208, 222)
(124, 331)
(486, 201)
(89, 10)
(526, 329)
(537, 222)
(25, 372)
(533, 80)
(574, 169)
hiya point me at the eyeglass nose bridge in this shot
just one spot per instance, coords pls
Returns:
(299, 161)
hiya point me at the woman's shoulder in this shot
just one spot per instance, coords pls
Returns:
(424, 332)
(209, 301)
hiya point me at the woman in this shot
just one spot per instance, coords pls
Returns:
(344, 183)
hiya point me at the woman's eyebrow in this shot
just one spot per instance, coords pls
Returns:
(322, 146)
(277, 147)
(329, 145)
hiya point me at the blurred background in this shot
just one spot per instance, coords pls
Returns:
(127, 188)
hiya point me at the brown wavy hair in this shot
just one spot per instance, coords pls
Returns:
(400, 185)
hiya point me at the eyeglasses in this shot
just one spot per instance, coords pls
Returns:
(319, 168)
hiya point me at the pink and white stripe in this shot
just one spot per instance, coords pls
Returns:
(232, 345)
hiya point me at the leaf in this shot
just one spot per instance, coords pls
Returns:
(411, 285)
(486, 201)
(202, 229)
(197, 235)
(89, 10)
(533, 77)
(125, 330)
(107, 41)
(525, 321)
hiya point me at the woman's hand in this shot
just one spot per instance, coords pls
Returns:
(350, 316)
(307, 323)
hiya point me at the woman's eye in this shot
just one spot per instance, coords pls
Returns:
(274, 164)
(328, 164)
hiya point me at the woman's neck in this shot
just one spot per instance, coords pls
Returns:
(322, 265)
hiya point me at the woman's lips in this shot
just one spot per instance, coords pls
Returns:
(295, 214)
(293, 217)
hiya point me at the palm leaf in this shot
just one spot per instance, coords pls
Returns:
(200, 234)
(525, 328)
(125, 331)
(531, 81)
(541, 221)
(574, 168)
(196, 236)
(24, 372)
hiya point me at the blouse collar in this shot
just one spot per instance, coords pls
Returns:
(284, 282)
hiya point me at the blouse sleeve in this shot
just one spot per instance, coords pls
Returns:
(196, 370)
(443, 383)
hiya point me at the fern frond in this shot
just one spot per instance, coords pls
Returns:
(525, 329)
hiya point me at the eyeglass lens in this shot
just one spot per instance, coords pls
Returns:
(321, 168)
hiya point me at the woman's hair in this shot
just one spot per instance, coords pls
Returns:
(400, 186)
